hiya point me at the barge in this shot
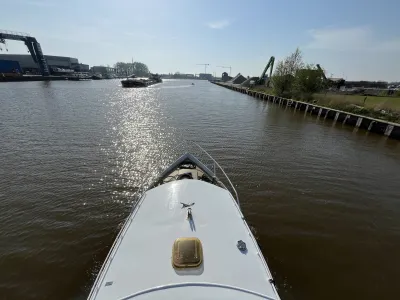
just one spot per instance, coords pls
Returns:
(134, 82)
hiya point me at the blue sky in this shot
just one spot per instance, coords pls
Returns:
(356, 39)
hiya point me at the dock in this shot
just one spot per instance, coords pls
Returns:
(31, 78)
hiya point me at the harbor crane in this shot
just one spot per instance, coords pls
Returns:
(321, 72)
(205, 67)
(33, 46)
(270, 65)
(230, 69)
(330, 82)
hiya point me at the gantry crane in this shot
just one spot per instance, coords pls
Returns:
(33, 47)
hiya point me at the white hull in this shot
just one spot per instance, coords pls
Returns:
(142, 261)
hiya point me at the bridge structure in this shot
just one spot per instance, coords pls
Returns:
(33, 46)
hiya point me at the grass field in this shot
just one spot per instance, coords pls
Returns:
(386, 108)
(391, 103)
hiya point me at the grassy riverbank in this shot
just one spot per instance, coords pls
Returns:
(385, 108)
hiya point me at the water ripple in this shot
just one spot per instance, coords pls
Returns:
(321, 199)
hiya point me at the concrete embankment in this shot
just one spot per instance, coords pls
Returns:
(383, 127)
(31, 78)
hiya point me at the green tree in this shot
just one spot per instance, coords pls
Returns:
(140, 69)
(307, 81)
(122, 68)
(294, 78)
(137, 68)
(285, 72)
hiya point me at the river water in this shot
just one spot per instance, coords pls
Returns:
(322, 199)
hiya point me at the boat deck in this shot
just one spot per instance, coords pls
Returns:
(140, 264)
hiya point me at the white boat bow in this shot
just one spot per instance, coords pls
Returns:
(185, 239)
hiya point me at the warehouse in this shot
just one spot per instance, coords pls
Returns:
(55, 63)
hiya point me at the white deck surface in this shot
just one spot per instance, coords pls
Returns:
(141, 257)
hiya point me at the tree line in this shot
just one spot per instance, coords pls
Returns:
(294, 78)
(137, 68)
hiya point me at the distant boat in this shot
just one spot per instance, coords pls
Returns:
(156, 78)
(134, 82)
(97, 76)
(78, 76)
(192, 83)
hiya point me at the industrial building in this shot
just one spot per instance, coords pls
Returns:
(102, 70)
(205, 76)
(81, 68)
(55, 63)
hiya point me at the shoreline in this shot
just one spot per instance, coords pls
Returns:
(383, 127)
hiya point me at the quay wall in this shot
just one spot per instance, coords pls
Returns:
(382, 127)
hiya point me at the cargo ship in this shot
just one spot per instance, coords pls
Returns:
(135, 82)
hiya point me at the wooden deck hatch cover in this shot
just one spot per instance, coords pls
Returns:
(187, 253)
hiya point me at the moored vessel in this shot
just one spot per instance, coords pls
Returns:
(97, 76)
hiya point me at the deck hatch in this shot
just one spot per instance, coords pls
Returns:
(187, 253)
